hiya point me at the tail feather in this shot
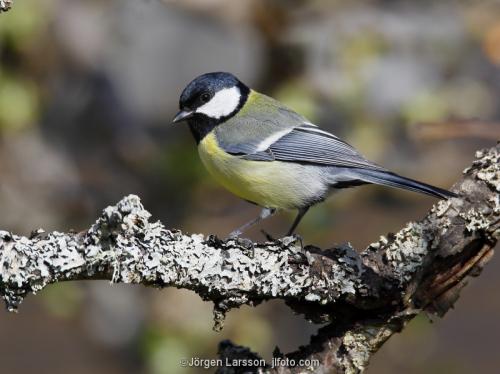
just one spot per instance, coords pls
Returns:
(387, 178)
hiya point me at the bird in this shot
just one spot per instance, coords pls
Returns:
(269, 155)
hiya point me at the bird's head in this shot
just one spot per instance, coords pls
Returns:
(211, 98)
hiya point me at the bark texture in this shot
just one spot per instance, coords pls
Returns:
(365, 297)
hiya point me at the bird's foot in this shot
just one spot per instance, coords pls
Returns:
(267, 235)
(235, 234)
(293, 238)
(299, 238)
(245, 243)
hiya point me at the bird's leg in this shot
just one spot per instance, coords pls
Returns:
(265, 213)
(302, 212)
(267, 235)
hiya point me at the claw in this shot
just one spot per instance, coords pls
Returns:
(235, 234)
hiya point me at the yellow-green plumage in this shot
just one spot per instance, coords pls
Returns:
(265, 153)
(271, 184)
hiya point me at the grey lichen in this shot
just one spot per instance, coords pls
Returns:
(124, 246)
(406, 251)
(358, 352)
(360, 344)
(29, 265)
(5, 5)
(488, 165)
(495, 203)
(475, 221)
(399, 275)
(441, 210)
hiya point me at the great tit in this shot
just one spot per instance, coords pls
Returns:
(271, 156)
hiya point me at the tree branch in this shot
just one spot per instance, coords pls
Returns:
(366, 297)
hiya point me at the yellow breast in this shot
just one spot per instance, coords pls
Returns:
(271, 184)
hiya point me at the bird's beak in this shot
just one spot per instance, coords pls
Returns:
(183, 115)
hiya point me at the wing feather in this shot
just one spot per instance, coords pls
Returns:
(310, 145)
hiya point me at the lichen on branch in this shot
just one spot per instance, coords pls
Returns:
(366, 296)
(5, 5)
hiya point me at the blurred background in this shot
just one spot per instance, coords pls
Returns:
(87, 93)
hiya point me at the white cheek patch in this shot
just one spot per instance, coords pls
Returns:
(222, 104)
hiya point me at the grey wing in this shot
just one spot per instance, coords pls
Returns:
(250, 137)
(255, 131)
(310, 145)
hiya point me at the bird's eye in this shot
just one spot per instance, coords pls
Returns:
(205, 97)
